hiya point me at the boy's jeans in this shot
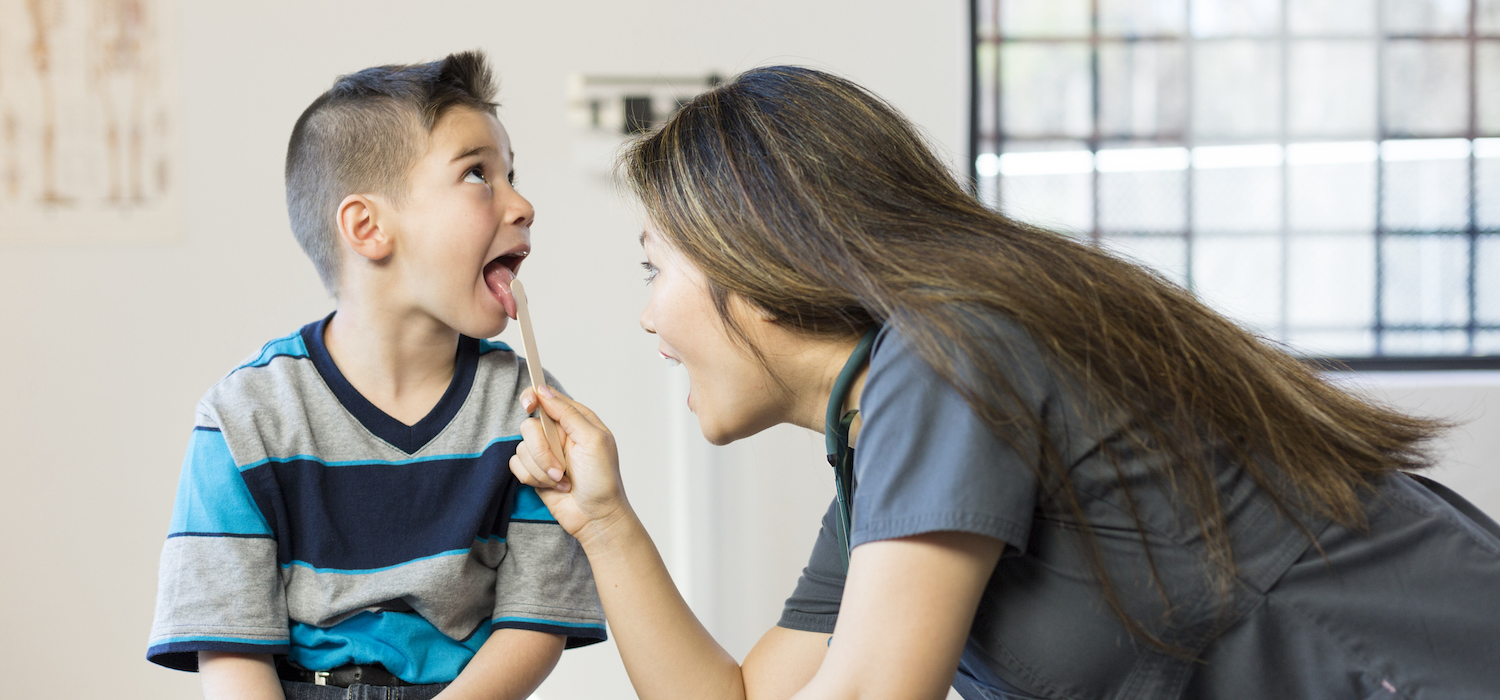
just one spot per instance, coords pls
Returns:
(360, 691)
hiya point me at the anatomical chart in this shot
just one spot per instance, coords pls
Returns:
(88, 121)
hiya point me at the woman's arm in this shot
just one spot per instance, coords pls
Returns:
(666, 650)
(905, 614)
(229, 675)
(907, 608)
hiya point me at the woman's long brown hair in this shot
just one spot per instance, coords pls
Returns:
(818, 202)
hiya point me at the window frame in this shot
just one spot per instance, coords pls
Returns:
(991, 138)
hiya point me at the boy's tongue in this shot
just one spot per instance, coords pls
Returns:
(498, 277)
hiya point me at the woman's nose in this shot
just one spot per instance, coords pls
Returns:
(646, 324)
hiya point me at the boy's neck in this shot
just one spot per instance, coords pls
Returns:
(401, 363)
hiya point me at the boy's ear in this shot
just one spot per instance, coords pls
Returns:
(359, 228)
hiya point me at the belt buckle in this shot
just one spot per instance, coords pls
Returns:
(320, 678)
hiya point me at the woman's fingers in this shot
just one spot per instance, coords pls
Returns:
(534, 459)
(569, 413)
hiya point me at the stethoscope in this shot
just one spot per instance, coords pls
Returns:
(836, 432)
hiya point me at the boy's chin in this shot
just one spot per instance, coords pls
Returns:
(493, 329)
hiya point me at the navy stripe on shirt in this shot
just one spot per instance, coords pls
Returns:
(371, 516)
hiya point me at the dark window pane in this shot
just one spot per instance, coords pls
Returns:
(1142, 90)
(1142, 17)
(1332, 89)
(1425, 281)
(1022, 18)
(1236, 17)
(1426, 88)
(1047, 90)
(1236, 89)
(1331, 17)
(1426, 185)
(1426, 16)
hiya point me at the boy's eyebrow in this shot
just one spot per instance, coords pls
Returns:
(477, 150)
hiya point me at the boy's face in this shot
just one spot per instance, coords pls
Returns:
(463, 231)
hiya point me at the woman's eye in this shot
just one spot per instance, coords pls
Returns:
(476, 176)
(650, 271)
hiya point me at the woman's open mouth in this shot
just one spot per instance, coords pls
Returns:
(498, 274)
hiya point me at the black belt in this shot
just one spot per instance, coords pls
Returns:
(342, 676)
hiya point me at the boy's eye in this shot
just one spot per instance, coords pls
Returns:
(650, 271)
(476, 176)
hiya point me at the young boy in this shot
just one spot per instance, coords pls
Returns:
(346, 514)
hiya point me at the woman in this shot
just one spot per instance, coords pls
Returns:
(1071, 478)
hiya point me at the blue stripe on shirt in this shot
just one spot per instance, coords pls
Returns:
(529, 506)
(493, 345)
(326, 570)
(211, 495)
(285, 346)
(405, 643)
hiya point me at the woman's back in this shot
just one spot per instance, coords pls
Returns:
(1408, 603)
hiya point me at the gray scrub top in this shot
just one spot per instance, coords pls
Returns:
(1408, 609)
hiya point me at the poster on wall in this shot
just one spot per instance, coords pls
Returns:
(88, 122)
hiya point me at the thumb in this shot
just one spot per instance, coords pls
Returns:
(571, 416)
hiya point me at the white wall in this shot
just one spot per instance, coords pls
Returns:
(1468, 456)
(104, 349)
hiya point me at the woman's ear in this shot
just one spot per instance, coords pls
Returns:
(360, 229)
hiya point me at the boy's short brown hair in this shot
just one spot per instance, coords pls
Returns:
(364, 135)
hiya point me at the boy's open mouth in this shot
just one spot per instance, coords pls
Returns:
(498, 274)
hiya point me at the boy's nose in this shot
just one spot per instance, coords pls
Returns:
(518, 211)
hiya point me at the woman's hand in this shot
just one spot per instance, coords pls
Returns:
(583, 490)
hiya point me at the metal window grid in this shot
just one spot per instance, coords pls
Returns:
(988, 136)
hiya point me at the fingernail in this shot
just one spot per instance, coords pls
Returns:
(528, 403)
(556, 474)
(546, 391)
(564, 486)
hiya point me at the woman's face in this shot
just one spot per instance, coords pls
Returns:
(732, 393)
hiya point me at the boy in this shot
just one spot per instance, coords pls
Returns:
(346, 515)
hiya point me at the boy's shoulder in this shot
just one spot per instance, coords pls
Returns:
(282, 368)
(502, 368)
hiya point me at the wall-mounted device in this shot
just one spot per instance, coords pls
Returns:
(626, 104)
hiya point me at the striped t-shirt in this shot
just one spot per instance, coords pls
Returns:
(310, 523)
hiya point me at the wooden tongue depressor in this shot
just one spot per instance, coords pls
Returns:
(534, 366)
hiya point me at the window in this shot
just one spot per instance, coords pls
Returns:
(1325, 172)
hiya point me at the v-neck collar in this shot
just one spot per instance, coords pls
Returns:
(407, 438)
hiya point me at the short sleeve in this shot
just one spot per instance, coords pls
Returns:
(926, 462)
(219, 585)
(545, 582)
(814, 605)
